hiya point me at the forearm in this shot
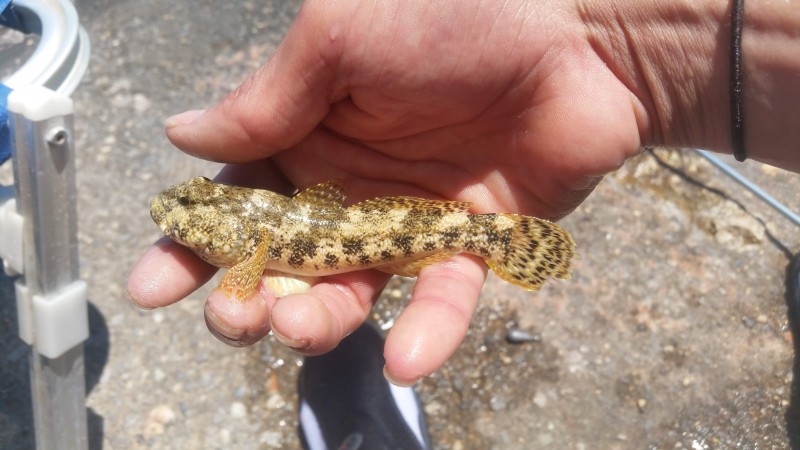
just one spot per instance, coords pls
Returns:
(675, 58)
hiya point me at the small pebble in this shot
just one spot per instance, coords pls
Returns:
(238, 410)
(387, 324)
(433, 408)
(517, 336)
(498, 403)
(275, 401)
(540, 400)
(140, 103)
(240, 392)
(225, 436)
(157, 420)
(162, 414)
(273, 439)
(116, 320)
(272, 384)
(159, 375)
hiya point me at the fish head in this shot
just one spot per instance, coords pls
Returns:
(207, 217)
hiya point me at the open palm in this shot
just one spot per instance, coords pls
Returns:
(498, 105)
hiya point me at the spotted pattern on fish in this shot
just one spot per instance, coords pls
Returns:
(312, 233)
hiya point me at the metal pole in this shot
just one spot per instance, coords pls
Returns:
(44, 172)
(752, 187)
(51, 300)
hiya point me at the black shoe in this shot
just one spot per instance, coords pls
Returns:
(347, 404)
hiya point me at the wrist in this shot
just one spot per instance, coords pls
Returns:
(675, 58)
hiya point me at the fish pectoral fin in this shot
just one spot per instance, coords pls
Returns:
(240, 280)
(282, 284)
(326, 195)
(411, 268)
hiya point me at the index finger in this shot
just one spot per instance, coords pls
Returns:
(166, 273)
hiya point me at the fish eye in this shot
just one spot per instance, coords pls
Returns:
(183, 200)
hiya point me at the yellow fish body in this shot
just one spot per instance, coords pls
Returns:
(313, 234)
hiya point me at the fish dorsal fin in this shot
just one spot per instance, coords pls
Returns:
(389, 203)
(326, 195)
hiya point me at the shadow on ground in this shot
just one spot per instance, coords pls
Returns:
(16, 409)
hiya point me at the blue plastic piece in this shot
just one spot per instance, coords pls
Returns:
(5, 135)
(9, 17)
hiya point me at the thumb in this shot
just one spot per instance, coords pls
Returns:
(274, 109)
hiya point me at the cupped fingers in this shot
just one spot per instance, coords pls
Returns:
(167, 272)
(436, 319)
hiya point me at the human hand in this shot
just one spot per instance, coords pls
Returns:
(504, 105)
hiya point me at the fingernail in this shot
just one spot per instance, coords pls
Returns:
(183, 118)
(297, 344)
(136, 303)
(396, 382)
(230, 336)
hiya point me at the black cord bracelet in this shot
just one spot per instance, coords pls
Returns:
(737, 105)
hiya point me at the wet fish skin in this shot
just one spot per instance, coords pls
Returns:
(313, 234)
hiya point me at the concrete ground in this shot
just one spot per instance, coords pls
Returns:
(673, 332)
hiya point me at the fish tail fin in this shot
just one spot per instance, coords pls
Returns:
(539, 250)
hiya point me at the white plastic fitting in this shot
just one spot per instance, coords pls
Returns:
(61, 320)
(38, 103)
(54, 323)
(11, 231)
(57, 320)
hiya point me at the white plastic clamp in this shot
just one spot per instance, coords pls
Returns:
(53, 323)
(11, 232)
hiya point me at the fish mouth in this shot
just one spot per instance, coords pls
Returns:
(159, 213)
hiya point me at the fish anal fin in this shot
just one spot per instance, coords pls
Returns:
(412, 267)
(282, 284)
(240, 280)
(390, 203)
(329, 194)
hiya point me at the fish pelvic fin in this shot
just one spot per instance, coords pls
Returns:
(539, 250)
(240, 281)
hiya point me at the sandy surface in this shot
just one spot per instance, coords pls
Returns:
(672, 333)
